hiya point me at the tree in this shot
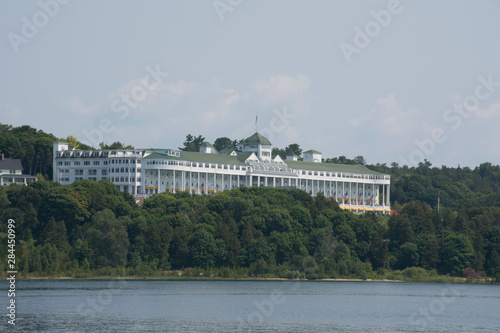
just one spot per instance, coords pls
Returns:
(203, 249)
(108, 239)
(456, 254)
(408, 255)
(72, 141)
(114, 145)
(294, 148)
(359, 160)
(192, 143)
(280, 152)
(224, 143)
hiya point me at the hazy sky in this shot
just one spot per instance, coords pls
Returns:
(394, 81)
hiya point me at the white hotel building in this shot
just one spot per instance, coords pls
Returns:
(143, 172)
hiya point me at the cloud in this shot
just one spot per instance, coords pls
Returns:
(278, 88)
(389, 119)
(180, 89)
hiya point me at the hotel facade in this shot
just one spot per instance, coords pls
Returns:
(143, 172)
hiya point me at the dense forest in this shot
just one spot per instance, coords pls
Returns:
(90, 228)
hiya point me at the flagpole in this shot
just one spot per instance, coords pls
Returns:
(439, 192)
(256, 118)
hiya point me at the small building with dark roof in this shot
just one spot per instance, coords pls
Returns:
(11, 172)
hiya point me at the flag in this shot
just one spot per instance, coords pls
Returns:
(359, 199)
(202, 189)
(216, 188)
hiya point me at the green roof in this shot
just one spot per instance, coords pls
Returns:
(312, 151)
(331, 167)
(256, 139)
(192, 156)
(241, 157)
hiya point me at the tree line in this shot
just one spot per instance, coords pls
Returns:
(92, 228)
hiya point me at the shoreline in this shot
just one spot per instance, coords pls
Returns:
(457, 280)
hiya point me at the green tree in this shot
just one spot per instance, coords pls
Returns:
(114, 145)
(192, 143)
(108, 240)
(224, 143)
(456, 254)
(203, 249)
(294, 148)
(408, 255)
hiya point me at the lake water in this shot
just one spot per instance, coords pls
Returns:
(250, 306)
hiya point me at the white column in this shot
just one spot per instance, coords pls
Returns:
(388, 195)
(173, 181)
(159, 182)
(183, 176)
(350, 194)
(383, 197)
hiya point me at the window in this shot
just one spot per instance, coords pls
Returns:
(60, 163)
(97, 162)
(86, 162)
(105, 162)
(76, 163)
(104, 172)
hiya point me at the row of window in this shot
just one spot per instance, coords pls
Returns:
(113, 161)
(124, 170)
(124, 179)
(104, 172)
(343, 175)
(196, 164)
(83, 154)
